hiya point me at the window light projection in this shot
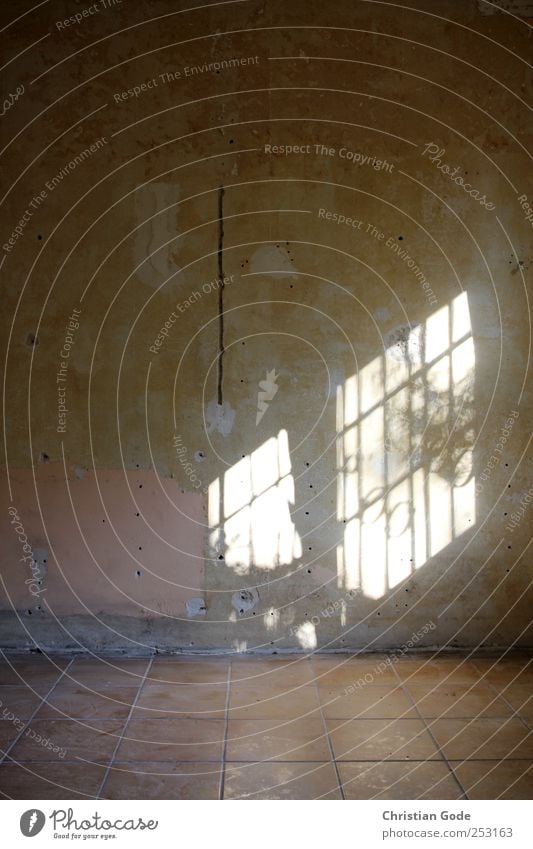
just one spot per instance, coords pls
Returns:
(404, 452)
(250, 517)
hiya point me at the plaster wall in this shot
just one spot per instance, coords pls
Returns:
(324, 452)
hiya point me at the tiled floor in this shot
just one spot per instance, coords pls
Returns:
(292, 727)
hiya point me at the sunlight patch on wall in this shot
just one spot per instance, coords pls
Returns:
(405, 486)
(251, 514)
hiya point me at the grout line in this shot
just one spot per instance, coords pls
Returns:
(216, 763)
(184, 715)
(225, 743)
(501, 695)
(120, 739)
(28, 722)
(405, 689)
(330, 746)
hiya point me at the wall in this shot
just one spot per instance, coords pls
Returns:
(266, 326)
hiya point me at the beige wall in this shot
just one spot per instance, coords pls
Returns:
(364, 505)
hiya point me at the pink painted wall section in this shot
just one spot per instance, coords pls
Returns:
(127, 543)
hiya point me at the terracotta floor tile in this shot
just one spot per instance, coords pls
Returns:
(457, 700)
(273, 750)
(8, 733)
(366, 703)
(284, 673)
(249, 701)
(51, 780)
(37, 673)
(504, 672)
(366, 671)
(511, 779)
(20, 701)
(172, 740)
(197, 671)
(422, 780)
(291, 740)
(149, 780)
(445, 670)
(281, 781)
(76, 740)
(193, 700)
(483, 738)
(109, 672)
(78, 702)
(520, 697)
(381, 739)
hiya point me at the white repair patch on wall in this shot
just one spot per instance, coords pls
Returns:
(155, 204)
(219, 417)
(196, 607)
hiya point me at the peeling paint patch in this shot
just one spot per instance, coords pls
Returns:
(524, 8)
(273, 260)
